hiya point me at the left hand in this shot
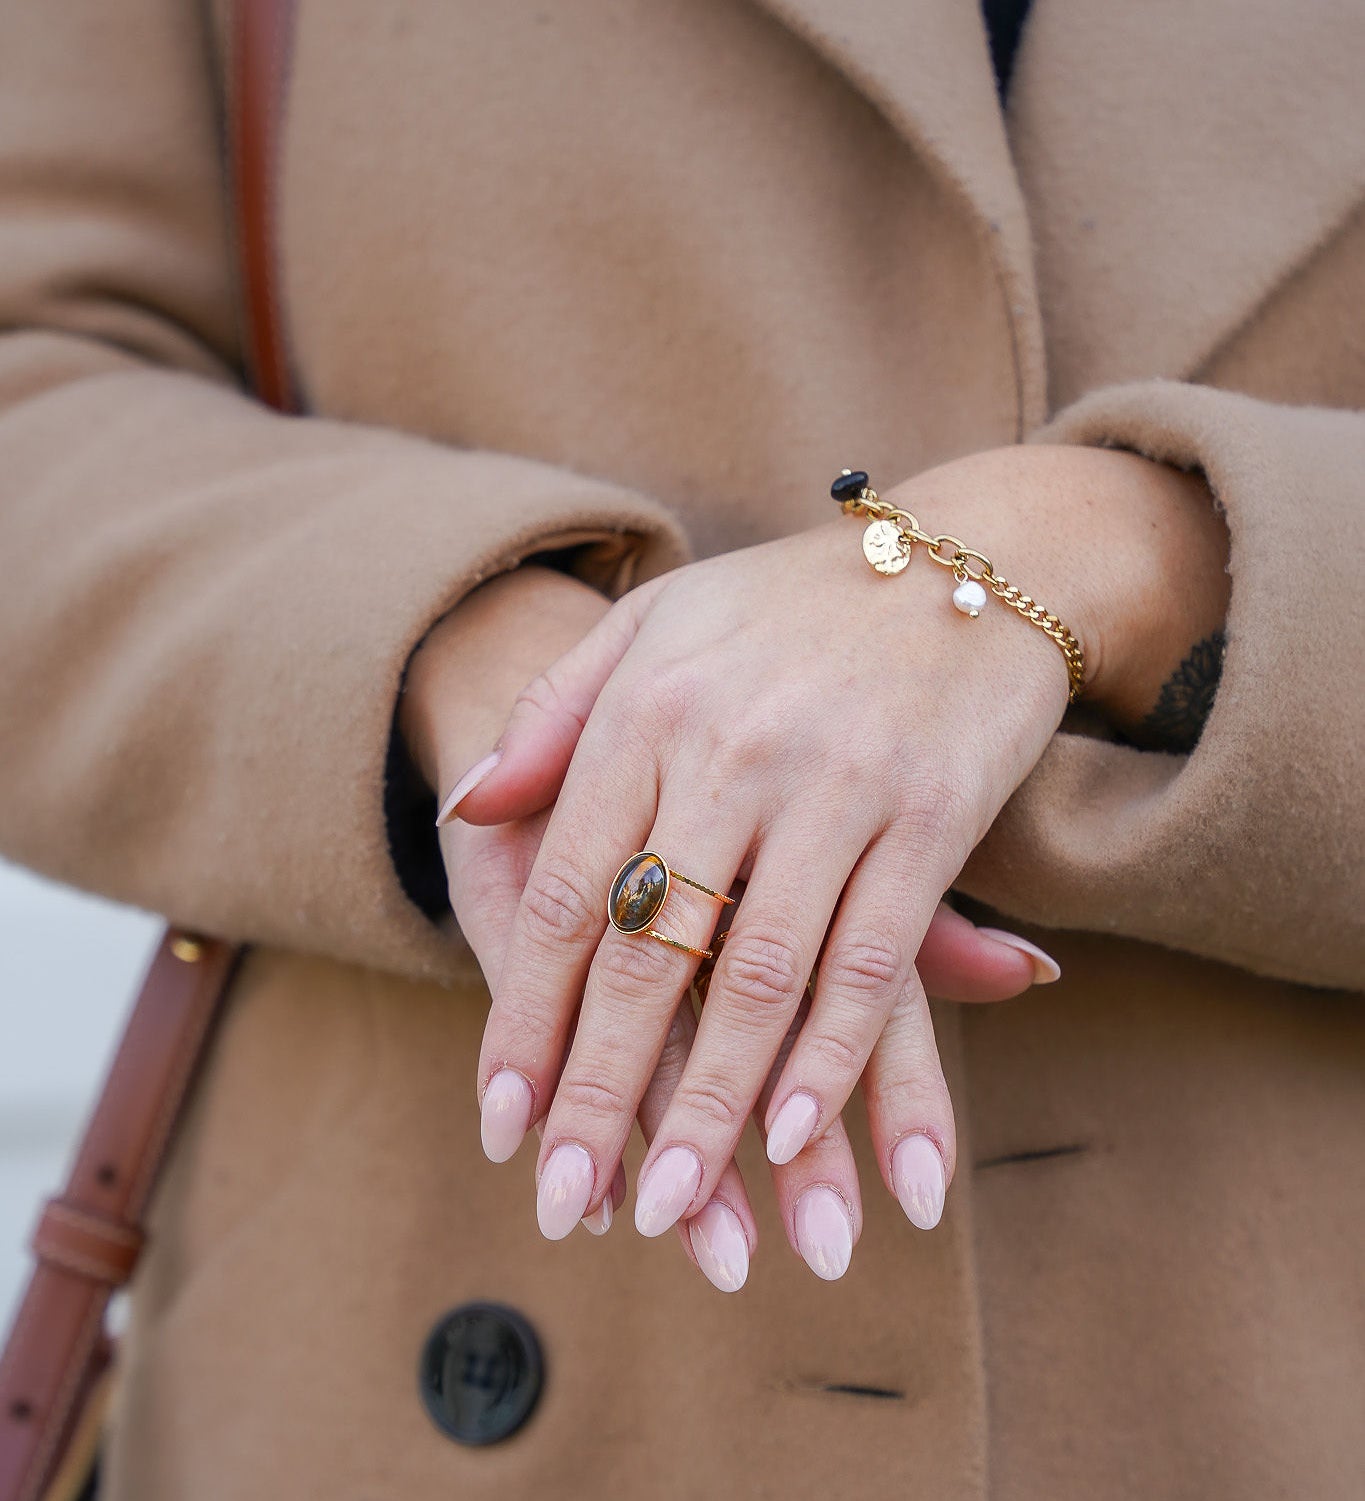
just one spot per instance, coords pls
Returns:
(843, 741)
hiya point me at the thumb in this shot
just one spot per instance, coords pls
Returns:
(524, 772)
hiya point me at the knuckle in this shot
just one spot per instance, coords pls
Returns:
(934, 803)
(843, 1055)
(479, 862)
(762, 971)
(671, 695)
(555, 907)
(865, 965)
(917, 1090)
(596, 1098)
(629, 966)
(543, 697)
(710, 1101)
(756, 740)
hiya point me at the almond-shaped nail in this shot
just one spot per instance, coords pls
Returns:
(505, 1116)
(721, 1247)
(467, 783)
(1045, 967)
(667, 1188)
(564, 1191)
(824, 1232)
(917, 1173)
(599, 1221)
(791, 1128)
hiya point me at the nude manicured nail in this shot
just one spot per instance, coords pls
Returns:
(505, 1114)
(1045, 967)
(599, 1221)
(824, 1233)
(666, 1189)
(721, 1247)
(565, 1188)
(791, 1128)
(917, 1173)
(467, 783)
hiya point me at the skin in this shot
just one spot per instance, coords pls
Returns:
(839, 741)
(462, 686)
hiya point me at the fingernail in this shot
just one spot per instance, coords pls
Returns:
(565, 1188)
(666, 1190)
(599, 1221)
(791, 1128)
(721, 1247)
(505, 1114)
(1045, 967)
(824, 1233)
(917, 1173)
(467, 783)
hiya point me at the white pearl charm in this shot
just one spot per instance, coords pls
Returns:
(969, 597)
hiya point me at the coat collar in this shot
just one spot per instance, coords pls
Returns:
(1178, 160)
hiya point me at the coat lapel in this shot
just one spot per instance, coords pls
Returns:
(1179, 161)
(925, 66)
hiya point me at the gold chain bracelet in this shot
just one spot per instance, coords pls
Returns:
(888, 544)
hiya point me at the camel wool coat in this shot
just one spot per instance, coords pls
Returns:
(635, 278)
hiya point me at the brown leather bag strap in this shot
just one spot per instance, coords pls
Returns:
(88, 1239)
(262, 39)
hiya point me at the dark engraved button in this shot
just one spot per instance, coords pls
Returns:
(637, 893)
(481, 1372)
(848, 486)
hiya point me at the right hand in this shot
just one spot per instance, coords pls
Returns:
(473, 667)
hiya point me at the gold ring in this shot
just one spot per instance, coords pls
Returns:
(639, 892)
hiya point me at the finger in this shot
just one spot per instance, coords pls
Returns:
(488, 869)
(600, 1220)
(817, 1191)
(958, 961)
(632, 993)
(868, 963)
(720, 1239)
(758, 983)
(525, 771)
(910, 1112)
(559, 922)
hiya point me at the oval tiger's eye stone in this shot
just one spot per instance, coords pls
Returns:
(637, 893)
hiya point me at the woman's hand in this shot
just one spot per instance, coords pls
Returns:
(843, 741)
(460, 687)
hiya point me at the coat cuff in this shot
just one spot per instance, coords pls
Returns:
(1248, 849)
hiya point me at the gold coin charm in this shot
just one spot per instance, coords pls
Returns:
(885, 547)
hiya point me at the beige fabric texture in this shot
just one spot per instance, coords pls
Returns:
(642, 277)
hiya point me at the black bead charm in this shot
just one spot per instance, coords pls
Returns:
(848, 486)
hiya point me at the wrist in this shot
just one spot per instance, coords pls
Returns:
(1128, 553)
(465, 675)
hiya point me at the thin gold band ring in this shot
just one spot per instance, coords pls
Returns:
(638, 894)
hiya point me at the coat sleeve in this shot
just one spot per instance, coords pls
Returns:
(206, 608)
(1251, 849)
